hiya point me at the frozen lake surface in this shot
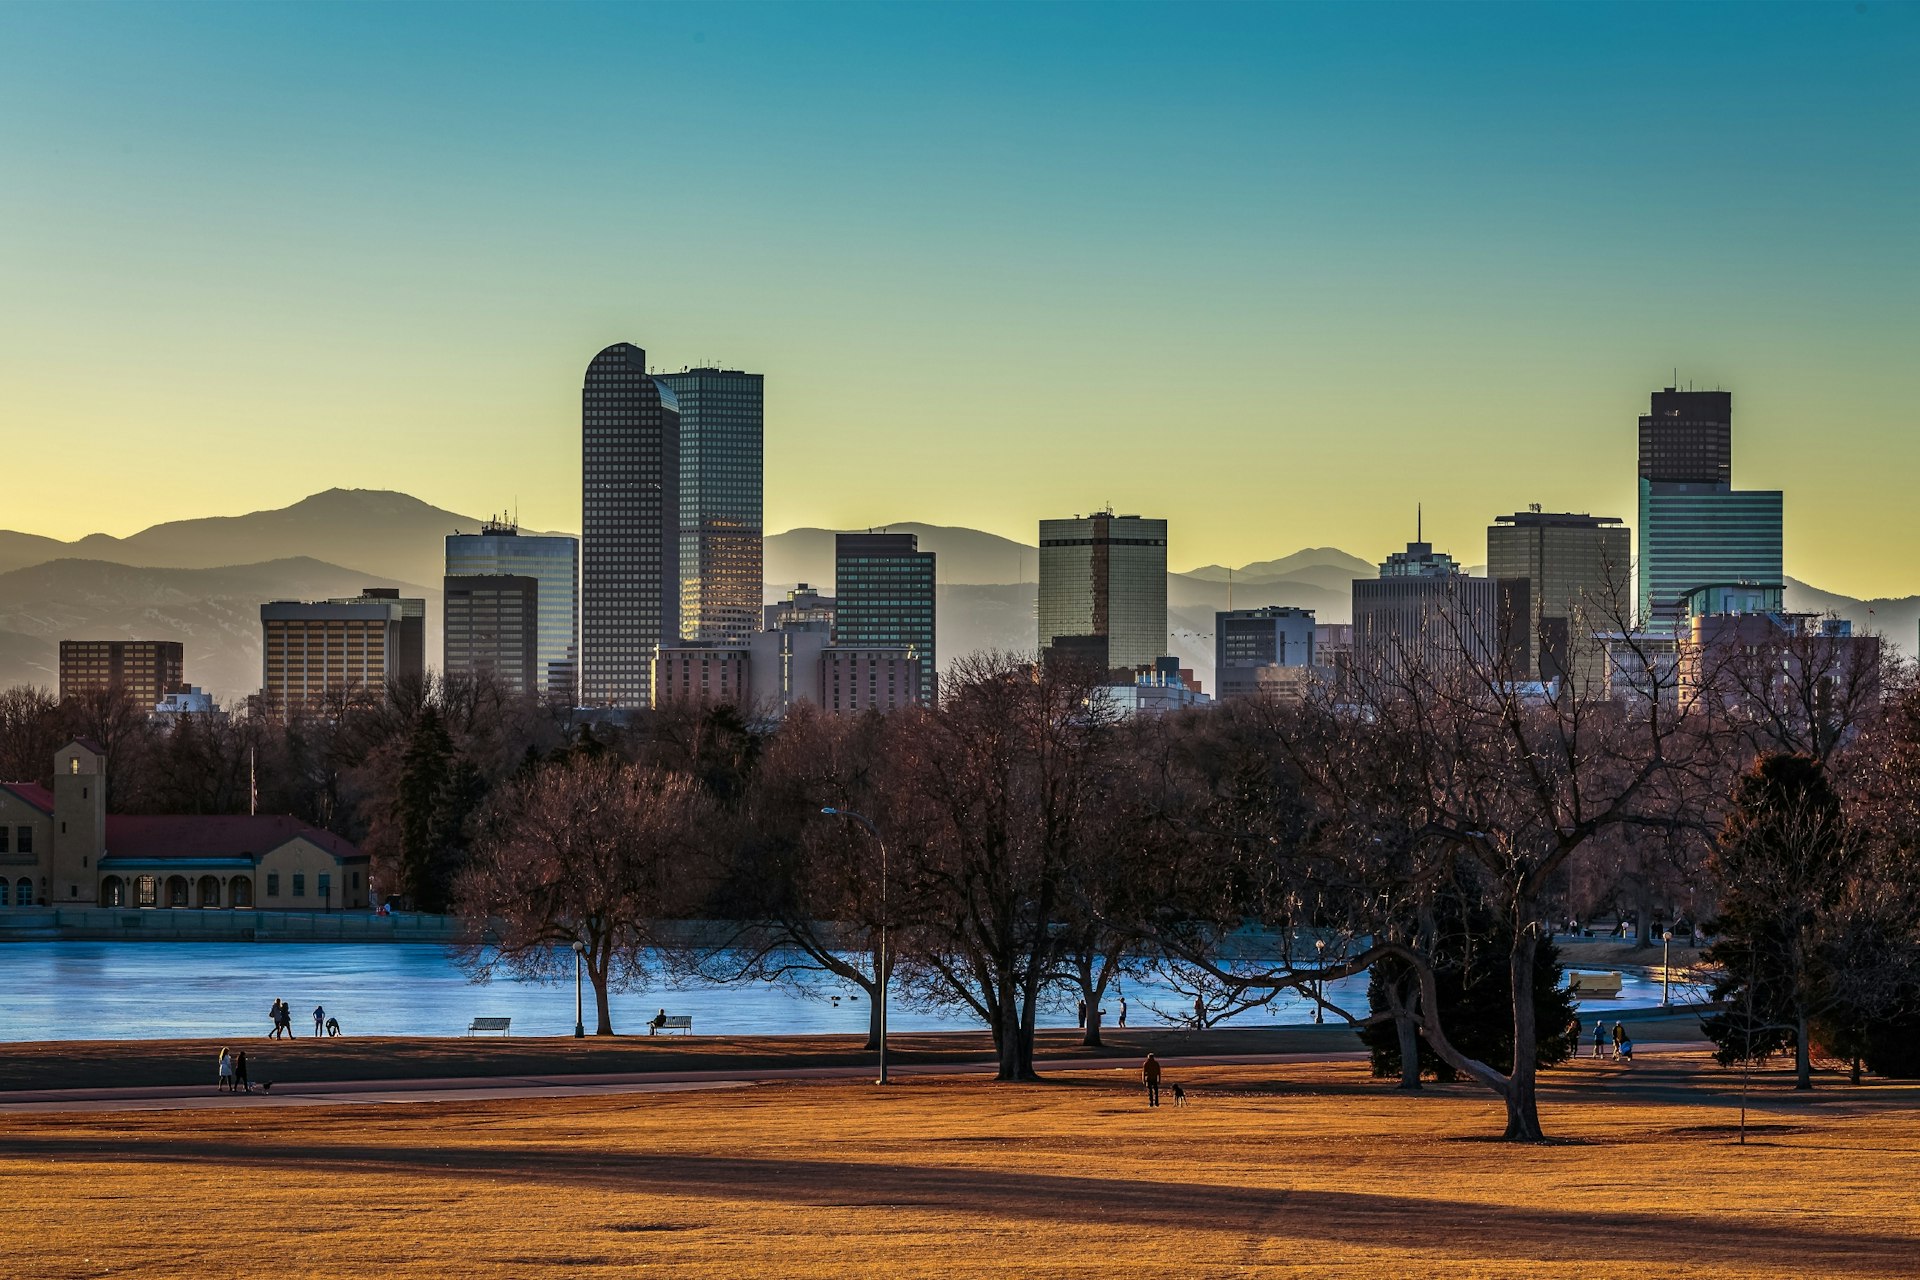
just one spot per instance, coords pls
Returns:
(156, 990)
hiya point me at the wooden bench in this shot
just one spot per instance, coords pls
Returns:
(490, 1024)
(672, 1022)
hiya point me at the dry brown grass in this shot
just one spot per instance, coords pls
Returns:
(1305, 1170)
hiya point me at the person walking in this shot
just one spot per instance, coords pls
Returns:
(1150, 1073)
(1081, 1016)
(226, 1072)
(240, 1081)
(319, 1019)
(1599, 1037)
(1123, 1011)
(1619, 1038)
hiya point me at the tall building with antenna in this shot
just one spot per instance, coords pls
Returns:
(630, 526)
(1103, 588)
(552, 561)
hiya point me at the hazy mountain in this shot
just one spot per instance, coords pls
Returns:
(214, 612)
(1312, 561)
(375, 531)
(965, 557)
(1897, 620)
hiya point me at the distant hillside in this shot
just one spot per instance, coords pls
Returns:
(215, 613)
(1310, 560)
(964, 557)
(1897, 620)
(375, 531)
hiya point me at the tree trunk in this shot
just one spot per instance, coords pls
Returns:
(1802, 1053)
(1523, 1104)
(1091, 992)
(605, 1025)
(1643, 907)
(873, 1020)
(1409, 1050)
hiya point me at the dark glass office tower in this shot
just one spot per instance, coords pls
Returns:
(883, 599)
(1696, 529)
(721, 429)
(630, 526)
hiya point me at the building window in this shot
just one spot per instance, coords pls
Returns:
(148, 890)
(273, 884)
(26, 839)
(6, 836)
(299, 884)
(323, 888)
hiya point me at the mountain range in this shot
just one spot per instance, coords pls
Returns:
(202, 581)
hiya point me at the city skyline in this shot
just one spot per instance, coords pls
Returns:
(1382, 293)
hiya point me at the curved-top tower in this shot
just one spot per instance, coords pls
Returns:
(630, 526)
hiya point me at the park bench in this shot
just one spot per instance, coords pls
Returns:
(490, 1024)
(672, 1022)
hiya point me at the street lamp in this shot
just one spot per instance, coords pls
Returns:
(874, 831)
(1666, 968)
(579, 1023)
(1319, 983)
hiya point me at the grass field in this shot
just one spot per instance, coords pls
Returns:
(1271, 1171)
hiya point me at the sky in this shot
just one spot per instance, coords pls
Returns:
(1276, 273)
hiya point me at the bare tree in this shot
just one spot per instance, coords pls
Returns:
(594, 852)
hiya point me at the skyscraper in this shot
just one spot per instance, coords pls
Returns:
(146, 669)
(883, 588)
(721, 429)
(408, 660)
(630, 526)
(1695, 528)
(1104, 578)
(1423, 618)
(493, 629)
(553, 561)
(1577, 569)
(313, 654)
(1253, 647)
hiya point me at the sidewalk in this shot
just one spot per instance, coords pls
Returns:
(488, 1088)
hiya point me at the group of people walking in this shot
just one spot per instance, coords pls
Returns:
(233, 1072)
(282, 1018)
(1622, 1042)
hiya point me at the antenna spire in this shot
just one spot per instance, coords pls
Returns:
(1419, 522)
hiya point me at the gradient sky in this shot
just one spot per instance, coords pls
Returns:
(1275, 273)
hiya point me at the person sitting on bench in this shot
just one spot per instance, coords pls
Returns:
(659, 1021)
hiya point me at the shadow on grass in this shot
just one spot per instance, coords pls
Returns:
(1358, 1218)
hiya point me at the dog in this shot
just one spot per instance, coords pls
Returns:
(266, 1086)
(1179, 1095)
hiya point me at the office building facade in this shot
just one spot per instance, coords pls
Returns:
(1578, 569)
(1251, 645)
(630, 526)
(408, 658)
(1423, 619)
(722, 425)
(493, 630)
(1105, 576)
(884, 599)
(1694, 527)
(554, 562)
(147, 669)
(315, 655)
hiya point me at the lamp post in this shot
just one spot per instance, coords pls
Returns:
(884, 958)
(579, 1023)
(1666, 968)
(1319, 983)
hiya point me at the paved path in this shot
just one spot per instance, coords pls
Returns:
(488, 1088)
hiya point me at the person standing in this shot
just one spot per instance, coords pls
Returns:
(1123, 1012)
(1199, 1014)
(1081, 1016)
(319, 1019)
(240, 1081)
(226, 1072)
(1150, 1073)
(1599, 1037)
(1619, 1038)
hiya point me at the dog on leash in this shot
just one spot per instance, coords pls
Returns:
(1179, 1095)
(266, 1086)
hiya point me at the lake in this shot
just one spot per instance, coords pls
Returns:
(158, 990)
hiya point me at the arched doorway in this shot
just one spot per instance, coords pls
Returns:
(209, 891)
(176, 891)
(25, 898)
(113, 892)
(240, 891)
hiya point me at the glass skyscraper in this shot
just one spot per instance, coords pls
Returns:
(554, 562)
(883, 588)
(1104, 577)
(721, 429)
(1696, 529)
(630, 526)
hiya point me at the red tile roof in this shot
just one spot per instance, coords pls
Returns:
(213, 836)
(33, 793)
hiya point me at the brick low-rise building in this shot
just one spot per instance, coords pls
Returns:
(60, 847)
